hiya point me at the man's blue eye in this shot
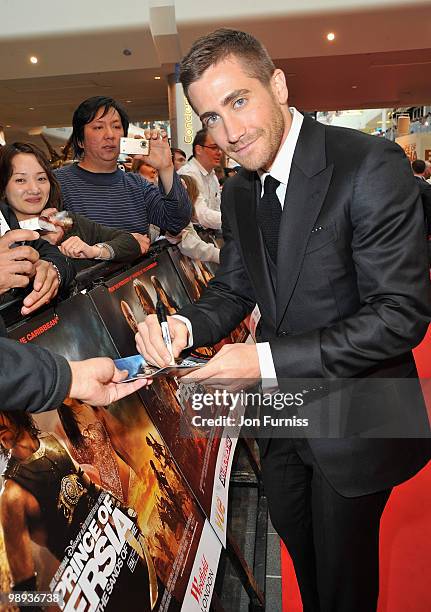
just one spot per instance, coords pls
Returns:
(240, 102)
(211, 120)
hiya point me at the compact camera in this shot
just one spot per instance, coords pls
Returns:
(134, 146)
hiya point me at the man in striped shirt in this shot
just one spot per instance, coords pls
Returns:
(96, 188)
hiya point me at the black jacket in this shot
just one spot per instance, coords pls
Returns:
(31, 378)
(425, 191)
(349, 298)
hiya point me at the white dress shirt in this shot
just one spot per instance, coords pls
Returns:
(207, 205)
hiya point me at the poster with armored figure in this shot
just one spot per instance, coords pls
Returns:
(94, 509)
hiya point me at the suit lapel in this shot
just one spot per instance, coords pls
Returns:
(306, 191)
(252, 245)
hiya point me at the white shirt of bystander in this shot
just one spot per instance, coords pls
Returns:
(207, 205)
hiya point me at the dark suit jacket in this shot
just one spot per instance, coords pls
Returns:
(351, 296)
(425, 191)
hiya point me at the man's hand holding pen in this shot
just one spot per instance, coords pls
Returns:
(150, 343)
(236, 366)
(163, 322)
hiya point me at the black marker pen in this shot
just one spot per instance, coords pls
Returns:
(161, 317)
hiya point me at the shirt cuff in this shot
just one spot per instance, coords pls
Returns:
(267, 368)
(188, 324)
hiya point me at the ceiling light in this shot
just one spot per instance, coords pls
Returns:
(31, 108)
(34, 59)
(128, 101)
(8, 126)
(157, 78)
(330, 36)
(354, 87)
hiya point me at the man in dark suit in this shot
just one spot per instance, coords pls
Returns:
(419, 170)
(323, 232)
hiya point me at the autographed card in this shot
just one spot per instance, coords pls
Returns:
(137, 367)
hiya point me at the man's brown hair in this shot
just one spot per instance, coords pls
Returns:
(418, 166)
(199, 139)
(220, 44)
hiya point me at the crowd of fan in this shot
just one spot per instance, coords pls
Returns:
(93, 207)
(111, 211)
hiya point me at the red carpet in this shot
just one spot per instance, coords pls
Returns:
(405, 538)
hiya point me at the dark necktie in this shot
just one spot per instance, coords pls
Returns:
(269, 215)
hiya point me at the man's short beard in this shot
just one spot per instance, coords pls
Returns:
(273, 144)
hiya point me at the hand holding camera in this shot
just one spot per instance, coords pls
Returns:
(155, 149)
(134, 146)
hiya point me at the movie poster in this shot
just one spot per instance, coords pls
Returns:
(199, 451)
(109, 521)
(138, 289)
(195, 276)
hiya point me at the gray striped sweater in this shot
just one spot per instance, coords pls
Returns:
(124, 200)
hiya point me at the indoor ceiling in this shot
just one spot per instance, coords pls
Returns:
(368, 80)
(379, 58)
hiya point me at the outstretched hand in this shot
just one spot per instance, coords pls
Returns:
(98, 382)
(76, 248)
